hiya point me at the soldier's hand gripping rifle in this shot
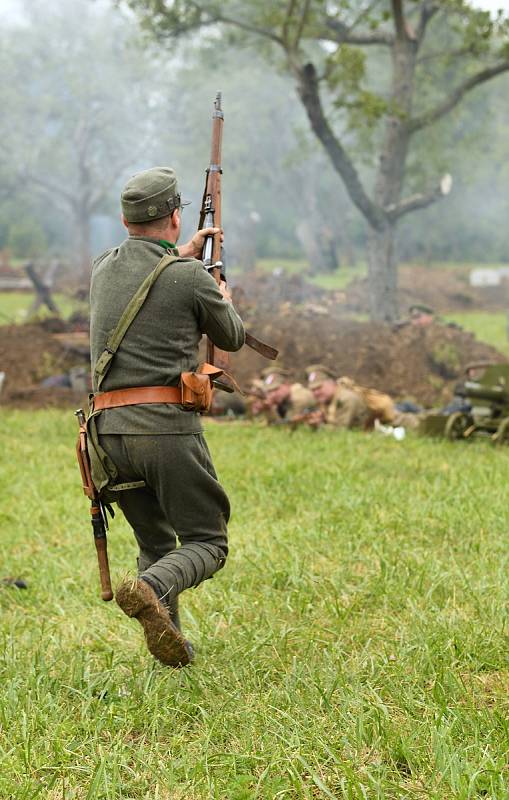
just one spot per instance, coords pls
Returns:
(212, 257)
(97, 508)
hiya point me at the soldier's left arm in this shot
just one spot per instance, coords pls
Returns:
(216, 316)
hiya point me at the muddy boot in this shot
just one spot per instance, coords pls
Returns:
(19, 583)
(137, 599)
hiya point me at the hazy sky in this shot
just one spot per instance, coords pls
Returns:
(493, 5)
(13, 6)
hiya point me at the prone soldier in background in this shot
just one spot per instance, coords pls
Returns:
(341, 405)
(346, 404)
(286, 402)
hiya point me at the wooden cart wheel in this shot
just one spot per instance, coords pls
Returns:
(456, 425)
(501, 435)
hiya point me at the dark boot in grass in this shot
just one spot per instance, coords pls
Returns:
(19, 583)
(137, 599)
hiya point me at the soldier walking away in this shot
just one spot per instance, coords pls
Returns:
(147, 440)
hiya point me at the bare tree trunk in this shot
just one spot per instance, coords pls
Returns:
(382, 275)
(318, 245)
(391, 168)
(383, 268)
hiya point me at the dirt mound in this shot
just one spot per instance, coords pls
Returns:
(307, 324)
(443, 290)
(272, 289)
(28, 355)
(410, 362)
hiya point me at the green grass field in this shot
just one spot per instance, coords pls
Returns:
(487, 326)
(14, 306)
(355, 646)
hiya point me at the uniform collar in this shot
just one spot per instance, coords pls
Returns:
(161, 242)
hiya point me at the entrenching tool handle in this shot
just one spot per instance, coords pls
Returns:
(101, 547)
(97, 512)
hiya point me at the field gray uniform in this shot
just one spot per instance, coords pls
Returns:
(163, 444)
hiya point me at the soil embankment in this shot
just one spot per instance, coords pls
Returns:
(307, 324)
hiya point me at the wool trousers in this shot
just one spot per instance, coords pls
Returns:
(180, 517)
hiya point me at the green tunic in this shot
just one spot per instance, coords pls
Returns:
(184, 303)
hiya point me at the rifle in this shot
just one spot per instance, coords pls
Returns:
(314, 419)
(212, 255)
(97, 508)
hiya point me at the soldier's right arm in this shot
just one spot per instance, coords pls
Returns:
(216, 316)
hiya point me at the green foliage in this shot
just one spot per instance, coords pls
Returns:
(355, 645)
(345, 69)
(367, 109)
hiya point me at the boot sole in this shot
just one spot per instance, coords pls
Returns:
(138, 600)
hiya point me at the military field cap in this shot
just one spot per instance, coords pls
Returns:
(317, 374)
(273, 378)
(419, 308)
(273, 371)
(151, 194)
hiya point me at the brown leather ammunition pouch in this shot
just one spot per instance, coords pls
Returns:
(196, 387)
(195, 391)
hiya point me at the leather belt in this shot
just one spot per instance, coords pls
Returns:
(137, 395)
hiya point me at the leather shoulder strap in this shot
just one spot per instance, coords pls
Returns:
(130, 313)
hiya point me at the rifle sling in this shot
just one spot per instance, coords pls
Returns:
(260, 347)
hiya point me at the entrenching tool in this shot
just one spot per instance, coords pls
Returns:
(98, 509)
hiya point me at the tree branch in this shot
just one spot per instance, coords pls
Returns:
(443, 108)
(399, 18)
(417, 201)
(448, 54)
(286, 24)
(303, 19)
(54, 189)
(310, 96)
(245, 26)
(345, 35)
(404, 31)
(428, 11)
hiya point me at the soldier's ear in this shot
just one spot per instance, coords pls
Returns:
(124, 221)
